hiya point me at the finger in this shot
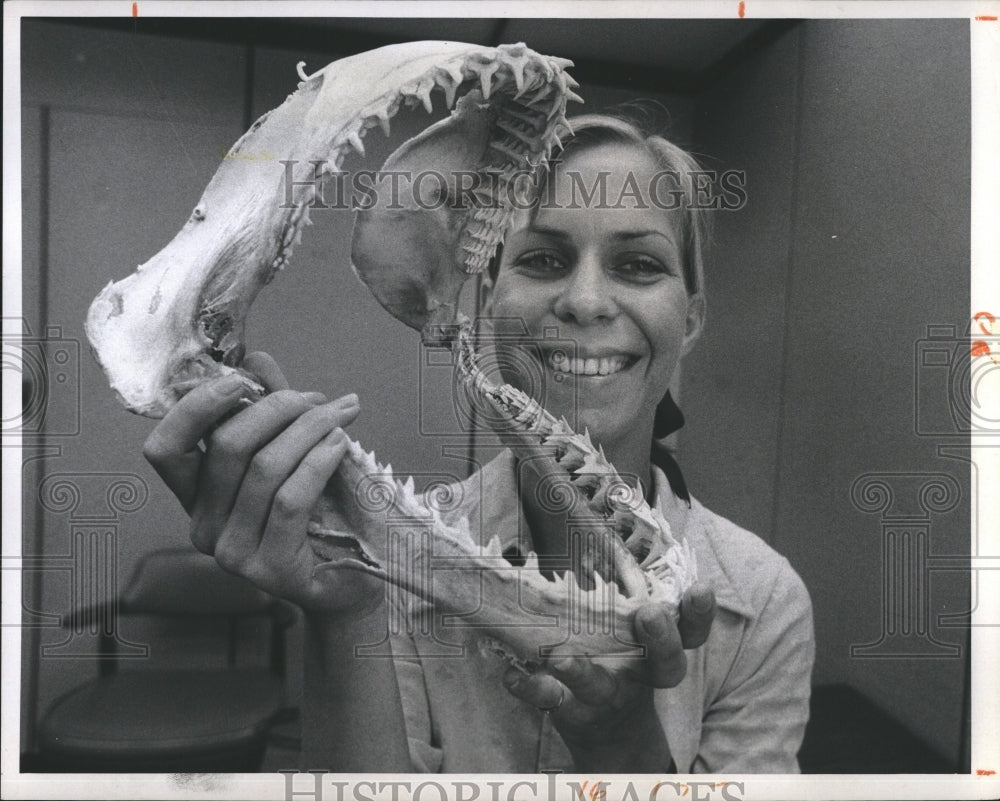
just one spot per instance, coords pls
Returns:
(589, 682)
(172, 447)
(285, 532)
(697, 614)
(233, 444)
(267, 371)
(538, 689)
(270, 468)
(230, 447)
(666, 662)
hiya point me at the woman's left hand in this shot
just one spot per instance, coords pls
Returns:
(607, 719)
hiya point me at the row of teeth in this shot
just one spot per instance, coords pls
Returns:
(521, 142)
(585, 465)
(409, 505)
(605, 365)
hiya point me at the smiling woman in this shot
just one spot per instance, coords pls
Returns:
(621, 285)
(723, 663)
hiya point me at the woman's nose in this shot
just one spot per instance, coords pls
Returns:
(587, 295)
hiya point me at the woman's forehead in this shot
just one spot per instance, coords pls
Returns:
(613, 185)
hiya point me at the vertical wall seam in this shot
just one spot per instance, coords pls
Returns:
(33, 680)
(783, 378)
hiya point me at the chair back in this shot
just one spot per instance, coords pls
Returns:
(176, 581)
(183, 584)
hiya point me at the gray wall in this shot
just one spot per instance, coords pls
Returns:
(855, 238)
(854, 138)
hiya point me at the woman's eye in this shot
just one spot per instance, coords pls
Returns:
(540, 263)
(642, 267)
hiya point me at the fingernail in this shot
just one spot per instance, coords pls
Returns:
(348, 400)
(228, 385)
(314, 397)
(564, 664)
(336, 435)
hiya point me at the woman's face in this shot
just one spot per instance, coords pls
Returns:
(608, 282)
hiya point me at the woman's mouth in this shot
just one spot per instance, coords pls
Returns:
(560, 362)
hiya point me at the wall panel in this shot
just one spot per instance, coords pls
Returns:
(880, 251)
(732, 379)
(135, 127)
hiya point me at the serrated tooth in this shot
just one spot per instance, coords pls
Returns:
(600, 585)
(455, 71)
(355, 141)
(531, 563)
(517, 68)
(409, 486)
(424, 93)
(450, 91)
(383, 121)
(493, 546)
(542, 94)
(485, 78)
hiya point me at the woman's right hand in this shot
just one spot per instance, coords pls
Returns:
(250, 482)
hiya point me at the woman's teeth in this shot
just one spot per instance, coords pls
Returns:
(605, 365)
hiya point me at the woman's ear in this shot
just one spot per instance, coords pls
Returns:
(695, 321)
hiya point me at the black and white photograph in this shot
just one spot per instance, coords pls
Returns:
(585, 404)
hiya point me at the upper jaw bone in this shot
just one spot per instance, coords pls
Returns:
(178, 319)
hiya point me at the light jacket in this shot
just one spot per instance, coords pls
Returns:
(742, 706)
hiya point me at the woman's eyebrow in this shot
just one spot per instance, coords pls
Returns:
(553, 232)
(630, 235)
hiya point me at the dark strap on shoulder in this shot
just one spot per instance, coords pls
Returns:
(669, 418)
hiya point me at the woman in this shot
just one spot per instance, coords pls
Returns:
(618, 272)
